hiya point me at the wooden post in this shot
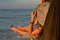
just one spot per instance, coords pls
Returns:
(51, 27)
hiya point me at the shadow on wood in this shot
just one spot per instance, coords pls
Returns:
(51, 27)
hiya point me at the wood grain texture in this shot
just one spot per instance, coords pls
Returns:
(51, 27)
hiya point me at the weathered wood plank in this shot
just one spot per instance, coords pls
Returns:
(51, 28)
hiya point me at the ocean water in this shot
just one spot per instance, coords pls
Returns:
(15, 17)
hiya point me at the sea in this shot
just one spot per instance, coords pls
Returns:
(15, 17)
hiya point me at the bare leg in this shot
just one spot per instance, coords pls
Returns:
(30, 27)
(30, 30)
(33, 14)
(23, 28)
(13, 28)
(37, 31)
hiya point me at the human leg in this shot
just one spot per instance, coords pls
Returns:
(33, 14)
(37, 31)
(13, 28)
(23, 28)
(28, 28)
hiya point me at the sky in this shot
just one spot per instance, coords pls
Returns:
(18, 4)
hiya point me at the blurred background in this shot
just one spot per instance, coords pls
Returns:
(15, 12)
